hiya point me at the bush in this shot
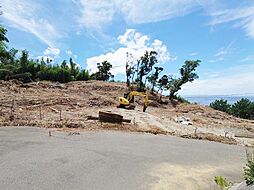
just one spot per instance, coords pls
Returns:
(83, 75)
(243, 108)
(55, 74)
(249, 170)
(221, 105)
(222, 182)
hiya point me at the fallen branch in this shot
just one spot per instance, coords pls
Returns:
(53, 109)
(244, 135)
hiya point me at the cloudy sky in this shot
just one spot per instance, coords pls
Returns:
(218, 32)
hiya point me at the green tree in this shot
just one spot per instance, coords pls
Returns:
(64, 65)
(103, 73)
(24, 60)
(162, 84)
(83, 75)
(55, 73)
(187, 73)
(6, 71)
(249, 170)
(8, 57)
(153, 79)
(243, 108)
(221, 105)
(73, 69)
(12, 56)
(27, 70)
(3, 46)
(3, 37)
(130, 68)
(145, 66)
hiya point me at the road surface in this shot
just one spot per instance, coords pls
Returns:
(31, 160)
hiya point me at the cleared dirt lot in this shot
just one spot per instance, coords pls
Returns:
(40, 104)
(31, 160)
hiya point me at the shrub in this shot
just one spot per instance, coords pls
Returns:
(221, 105)
(222, 182)
(249, 170)
(83, 75)
(243, 108)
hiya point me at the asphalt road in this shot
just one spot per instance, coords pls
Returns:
(31, 160)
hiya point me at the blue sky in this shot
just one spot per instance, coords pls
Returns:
(218, 32)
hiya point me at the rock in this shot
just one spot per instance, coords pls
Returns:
(199, 113)
(184, 120)
(73, 133)
(179, 119)
(241, 186)
(187, 123)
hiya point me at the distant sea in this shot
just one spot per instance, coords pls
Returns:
(206, 100)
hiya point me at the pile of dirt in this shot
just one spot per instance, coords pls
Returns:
(56, 105)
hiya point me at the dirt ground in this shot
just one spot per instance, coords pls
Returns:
(66, 107)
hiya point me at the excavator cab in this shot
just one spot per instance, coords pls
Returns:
(130, 99)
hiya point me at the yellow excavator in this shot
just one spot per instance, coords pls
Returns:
(128, 100)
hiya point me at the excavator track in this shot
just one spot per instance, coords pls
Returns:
(129, 107)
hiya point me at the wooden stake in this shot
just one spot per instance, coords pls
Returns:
(226, 132)
(12, 103)
(60, 112)
(12, 110)
(40, 114)
(195, 132)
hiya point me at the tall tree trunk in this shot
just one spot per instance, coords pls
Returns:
(171, 95)
(128, 82)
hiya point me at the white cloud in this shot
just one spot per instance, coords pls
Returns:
(135, 43)
(193, 53)
(241, 17)
(143, 11)
(133, 39)
(49, 54)
(77, 65)
(68, 52)
(46, 58)
(21, 14)
(222, 52)
(234, 80)
(248, 59)
(52, 51)
(96, 13)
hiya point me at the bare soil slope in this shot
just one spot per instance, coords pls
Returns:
(55, 105)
